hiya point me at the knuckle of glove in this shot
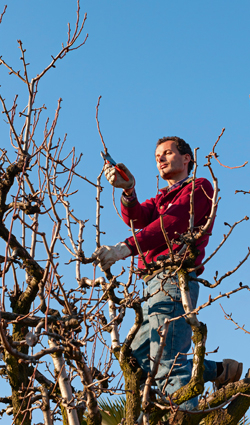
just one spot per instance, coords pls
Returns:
(106, 263)
(108, 175)
(122, 166)
(107, 166)
(104, 251)
(111, 176)
(99, 252)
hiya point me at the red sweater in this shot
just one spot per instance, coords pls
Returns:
(174, 205)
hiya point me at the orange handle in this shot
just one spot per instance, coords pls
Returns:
(122, 173)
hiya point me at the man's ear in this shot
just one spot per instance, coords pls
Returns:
(187, 158)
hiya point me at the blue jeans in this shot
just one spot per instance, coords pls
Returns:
(146, 342)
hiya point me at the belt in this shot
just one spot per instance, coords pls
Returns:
(148, 277)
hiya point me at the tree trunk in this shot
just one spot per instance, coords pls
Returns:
(18, 378)
(65, 388)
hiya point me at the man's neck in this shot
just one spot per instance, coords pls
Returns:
(173, 182)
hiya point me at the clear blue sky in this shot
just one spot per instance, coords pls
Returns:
(162, 68)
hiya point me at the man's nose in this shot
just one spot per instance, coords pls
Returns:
(161, 158)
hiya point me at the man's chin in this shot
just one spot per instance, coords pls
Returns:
(164, 176)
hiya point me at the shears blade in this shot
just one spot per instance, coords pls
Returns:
(108, 158)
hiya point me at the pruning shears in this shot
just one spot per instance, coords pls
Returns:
(108, 158)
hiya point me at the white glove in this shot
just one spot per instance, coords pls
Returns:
(116, 179)
(108, 255)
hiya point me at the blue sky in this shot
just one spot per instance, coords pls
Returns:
(162, 68)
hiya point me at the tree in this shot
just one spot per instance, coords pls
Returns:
(44, 317)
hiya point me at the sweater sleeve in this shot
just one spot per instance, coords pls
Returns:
(141, 214)
(176, 218)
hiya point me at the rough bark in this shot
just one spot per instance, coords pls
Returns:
(132, 374)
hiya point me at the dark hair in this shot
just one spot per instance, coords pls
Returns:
(182, 147)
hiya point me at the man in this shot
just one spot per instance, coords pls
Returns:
(174, 159)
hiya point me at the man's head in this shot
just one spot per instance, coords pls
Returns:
(174, 158)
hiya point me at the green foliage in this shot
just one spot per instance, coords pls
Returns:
(112, 411)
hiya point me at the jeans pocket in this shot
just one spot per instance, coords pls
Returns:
(164, 309)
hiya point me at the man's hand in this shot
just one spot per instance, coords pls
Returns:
(116, 179)
(108, 255)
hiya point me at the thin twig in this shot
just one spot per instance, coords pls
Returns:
(214, 154)
(170, 249)
(98, 125)
(229, 317)
(1, 16)
(137, 245)
(11, 124)
(157, 184)
(191, 218)
(220, 245)
(98, 207)
(115, 207)
(65, 49)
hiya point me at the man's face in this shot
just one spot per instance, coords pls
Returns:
(170, 163)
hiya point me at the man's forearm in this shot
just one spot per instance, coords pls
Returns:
(132, 209)
(128, 192)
